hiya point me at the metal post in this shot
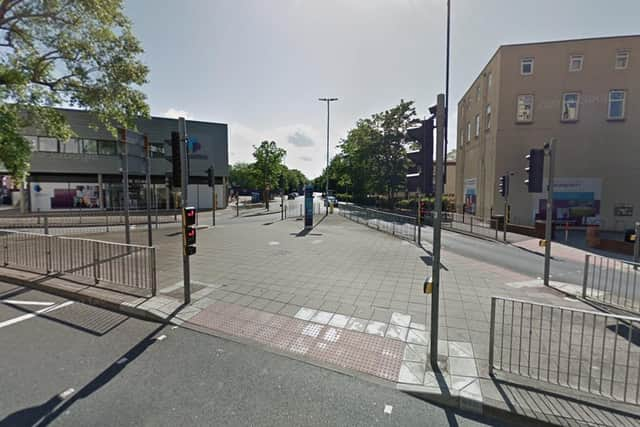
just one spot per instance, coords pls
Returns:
(147, 149)
(328, 101)
(281, 206)
(492, 332)
(182, 129)
(585, 276)
(437, 221)
(471, 230)
(96, 262)
(636, 244)
(214, 207)
(550, 151)
(238, 205)
(152, 270)
(506, 207)
(419, 221)
(46, 224)
(125, 183)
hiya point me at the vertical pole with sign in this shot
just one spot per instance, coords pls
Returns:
(550, 151)
(182, 130)
(437, 221)
(308, 207)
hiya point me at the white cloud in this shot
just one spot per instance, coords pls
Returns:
(308, 156)
(173, 113)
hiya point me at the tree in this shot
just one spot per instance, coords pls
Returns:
(268, 166)
(79, 53)
(243, 175)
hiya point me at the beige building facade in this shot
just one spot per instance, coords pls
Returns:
(585, 94)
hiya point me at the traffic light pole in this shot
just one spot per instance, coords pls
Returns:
(125, 183)
(182, 129)
(147, 150)
(550, 151)
(437, 221)
(418, 220)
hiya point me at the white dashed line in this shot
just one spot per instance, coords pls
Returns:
(68, 392)
(274, 243)
(17, 302)
(34, 314)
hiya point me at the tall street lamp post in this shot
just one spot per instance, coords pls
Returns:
(328, 101)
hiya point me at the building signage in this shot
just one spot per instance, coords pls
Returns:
(623, 209)
(575, 200)
(470, 195)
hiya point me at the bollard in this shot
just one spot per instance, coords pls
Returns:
(471, 230)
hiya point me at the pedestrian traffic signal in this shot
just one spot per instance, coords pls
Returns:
(535, 170)
(189, 230)
(503, 185)
(210, 177)
(420, 176)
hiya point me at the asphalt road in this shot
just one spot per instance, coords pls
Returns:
(121, 374)
(507, 256)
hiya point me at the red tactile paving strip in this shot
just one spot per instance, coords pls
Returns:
(362, 352)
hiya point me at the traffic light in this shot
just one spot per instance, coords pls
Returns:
(210, 177)
(189, 230)
(535, 170)
(420, 175)
(503, 185)
(176, 179)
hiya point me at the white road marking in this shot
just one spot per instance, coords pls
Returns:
(34, 314)
(160, 338)
(274, 243)
(17, 302)
(121, 361)
(388, 409)
(68, 392)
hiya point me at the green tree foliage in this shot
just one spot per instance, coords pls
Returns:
(374, 154)
(79, 53)
(268, 166)
(243, 175)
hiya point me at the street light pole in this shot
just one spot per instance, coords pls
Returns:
(328, 101)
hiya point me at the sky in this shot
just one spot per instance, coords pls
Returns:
(261, 65)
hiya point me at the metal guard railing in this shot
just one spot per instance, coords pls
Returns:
(397, 225)
(612, 282)
(130, 266)
(589, 351)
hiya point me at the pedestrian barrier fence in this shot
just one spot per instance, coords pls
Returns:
(397, 225)
(295, 208)
(470, 224)
(130, 266)
(593, 352)
(611, 281)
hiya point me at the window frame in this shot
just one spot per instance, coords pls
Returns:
(468, 131)
(488, 117)
(564, 94)
(522, 63)
(48, 139)
(624, 104)
(533, 102)
(571, 58)
(477, 120)
(624, 53)
(489, 79)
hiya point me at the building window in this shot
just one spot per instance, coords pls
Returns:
(47, 144)
(575, 62)
(488, 117)
(107, 148)
(490, 80)
(89, 146)
(616, 104)
(477, 125)
(524, 113)
(622, 60)
(468, 131)
(71, 146)
(526, 66)
(570, 105)
(478, 93)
